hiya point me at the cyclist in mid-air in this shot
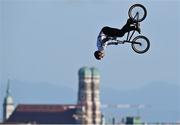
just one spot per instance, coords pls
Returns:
(106, 32)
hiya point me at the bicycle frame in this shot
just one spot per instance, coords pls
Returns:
(128, 39)
(139, 43)
(129, 36)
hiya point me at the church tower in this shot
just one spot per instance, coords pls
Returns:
(8, 106)
(95, 81)
(84, 96)
(88, 96)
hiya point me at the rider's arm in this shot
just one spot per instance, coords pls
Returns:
(112, 43)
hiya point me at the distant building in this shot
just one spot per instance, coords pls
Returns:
(43, 114)
(8, 105)
(86, 111)
(88, 96)
(133, 120)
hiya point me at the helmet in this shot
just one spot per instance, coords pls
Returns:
(98, 54)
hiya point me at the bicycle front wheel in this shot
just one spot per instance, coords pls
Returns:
(140, 44)
(137, 12)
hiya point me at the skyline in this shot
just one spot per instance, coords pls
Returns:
(151, 113)
(42, 43)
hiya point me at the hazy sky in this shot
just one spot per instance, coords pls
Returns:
(47, 41)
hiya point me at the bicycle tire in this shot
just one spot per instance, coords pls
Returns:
(135, 8)
(140, 48)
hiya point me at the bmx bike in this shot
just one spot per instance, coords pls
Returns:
(140, 44)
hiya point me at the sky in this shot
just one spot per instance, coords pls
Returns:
(46, 42)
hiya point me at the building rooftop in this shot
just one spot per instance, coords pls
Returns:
(85, 71)
(95, 71)
(43, 114)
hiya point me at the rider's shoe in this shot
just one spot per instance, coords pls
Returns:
(131, 21)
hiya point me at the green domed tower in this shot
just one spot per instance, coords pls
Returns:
(88, 96)
(95, 72)
(84, 96)
(95, 81)
(84, 72)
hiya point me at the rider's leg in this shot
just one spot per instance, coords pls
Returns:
(131, 25)
(128, 28)
(112, 32)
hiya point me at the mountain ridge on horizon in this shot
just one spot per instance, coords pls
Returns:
(154, 94)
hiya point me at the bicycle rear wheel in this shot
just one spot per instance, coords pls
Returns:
(140, 44)
(137, 12)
